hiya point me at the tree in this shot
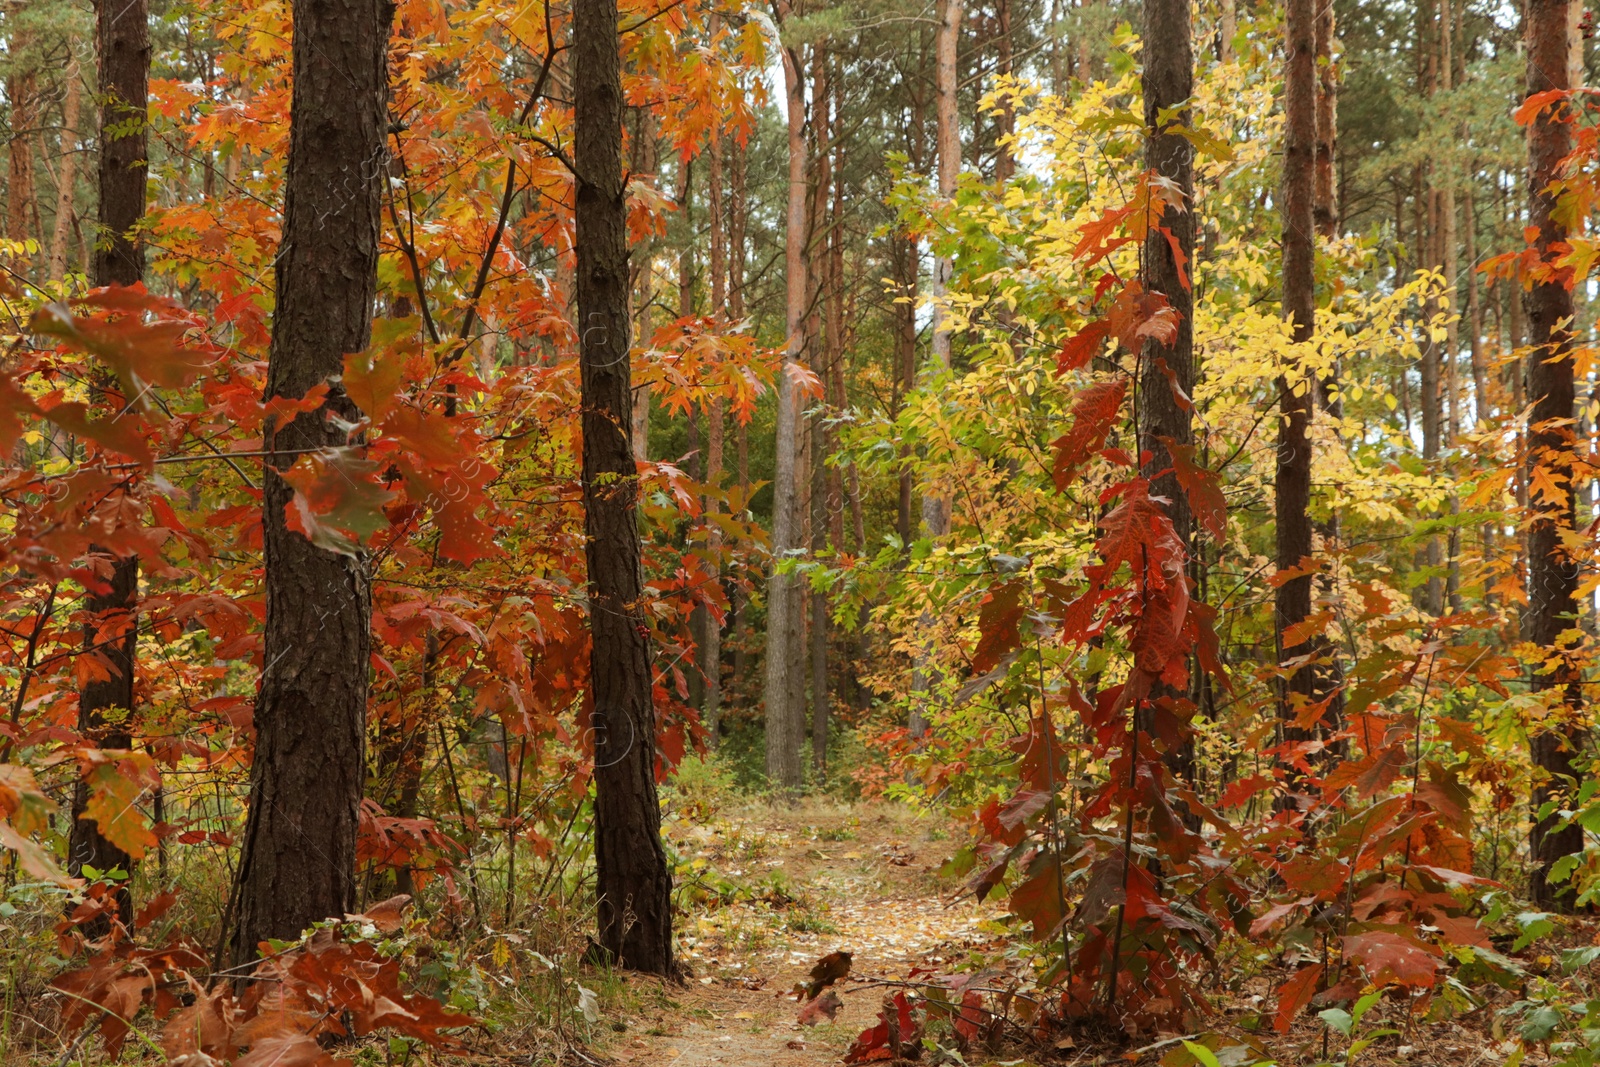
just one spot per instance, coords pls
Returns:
(947, 141)
(66, 167)
(124, 77)
(1292, 502)
(784, 693)
(297, 864)
(633, 884)
(1166, 370)
(1551, 619)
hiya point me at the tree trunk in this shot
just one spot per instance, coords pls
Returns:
(1293, 484)
(22, 91)
(633, 883)
(1552, 573)
(297, 863)
(122, 27)
(905, 366)
(741, 436)
(935, 508)
(1480, 365)
(1006, 120)
(825, 331)
(1326, 208)
(785, 681)
(66, 170)
(711, 645)
(1168, 82)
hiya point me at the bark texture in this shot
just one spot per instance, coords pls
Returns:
(66, 170)
(121, 27)
(1293, 484)
(1168, 82)
(297, 863)
(633, 884)
(785, 681)
(1552, 574)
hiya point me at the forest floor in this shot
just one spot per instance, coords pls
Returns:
(819, 877)
(779, 887)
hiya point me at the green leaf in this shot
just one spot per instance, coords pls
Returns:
(1575, 959)
(1540, 1023)
(1534, 925)
(1202, 1054)
(1337, 1019)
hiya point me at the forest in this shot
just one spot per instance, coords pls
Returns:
(820, 531)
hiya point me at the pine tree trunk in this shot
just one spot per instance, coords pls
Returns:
(785, 681)
(905, 367)
(1168, 81)
(633, 884)
(22, 92)
(1006, 120)
(711, 645)
(935, 508)
(66, 170)
(1552, 574)
(1326, 208)
(297, 863)
(1293, 484)
(122, 28)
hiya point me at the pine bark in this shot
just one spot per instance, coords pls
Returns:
(1326, 208)
(1168, 81)
(1552, 573)
(936, 508)
(66, 170)
(633, 882)
(122, 29)
(711, 643)
(1293, 483)
(785, 658)
(22, 91)
(297, 863)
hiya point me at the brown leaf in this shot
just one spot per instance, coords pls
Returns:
(827, 1006)
(826, 971)
(387, 915)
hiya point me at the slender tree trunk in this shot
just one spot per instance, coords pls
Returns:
(311, 713)
(122, 29)
(785, 682)
(1227, 30)
(1480, 366)
(711, 645)
(1552, 573)
(633, 883)
(935, 508)
(1326, 209)
(22, 91)
(741, 433)
(1168, 82)
(1293, 485)
(1006, 120)
(820, 342)
(645, 159)
(66, 170)
(905, 367)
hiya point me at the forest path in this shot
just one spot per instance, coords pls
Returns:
(812, 879)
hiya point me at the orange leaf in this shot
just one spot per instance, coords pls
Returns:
(1295, 994)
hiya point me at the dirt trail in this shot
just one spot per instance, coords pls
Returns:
(859, 879)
